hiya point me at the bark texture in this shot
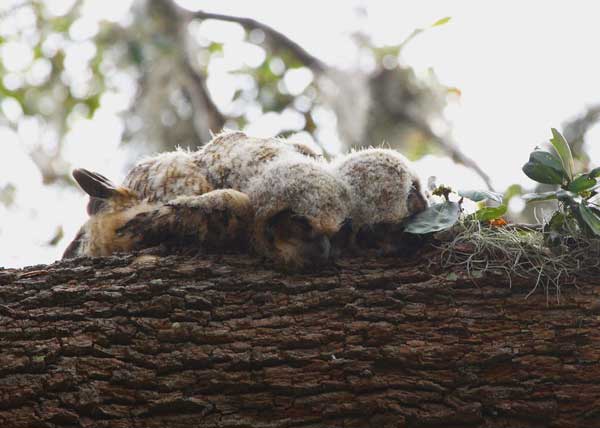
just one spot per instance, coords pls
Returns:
(141, 341)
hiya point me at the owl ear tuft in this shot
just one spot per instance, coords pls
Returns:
(94, 184)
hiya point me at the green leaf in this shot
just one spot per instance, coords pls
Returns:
(547, 159)
(480, 195)
(512, 191)
(433, 219)
(556, 221)
(566, 197)
(594, 173)
(537, 197)
(442, 21)
(490, 213)
(542, 173)
(583, 182)
(564, 152)
(590, 219)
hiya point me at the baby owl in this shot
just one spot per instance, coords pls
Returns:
(300, 212)
(122, 221)
(385, 191)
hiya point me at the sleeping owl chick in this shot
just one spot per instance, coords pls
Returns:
(231, 159)
(121, 222)
(110, 207)
(217, 220)
(385, 192)
(300, 212)
(166, 176)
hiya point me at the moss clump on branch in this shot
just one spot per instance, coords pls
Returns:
(521, 252)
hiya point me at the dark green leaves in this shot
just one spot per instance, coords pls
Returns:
(435, 218)
(573, 195)
(542, 173)
(581, 183)
(590, 218)
(547, 159)
(595, 173)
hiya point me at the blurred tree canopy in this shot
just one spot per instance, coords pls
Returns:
(173, 76)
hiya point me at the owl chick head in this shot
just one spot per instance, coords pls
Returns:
(300, 211)
(385, 192)
(109, 207)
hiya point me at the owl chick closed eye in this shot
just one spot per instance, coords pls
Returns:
(232, 159)
(300, 210)
(385, 192)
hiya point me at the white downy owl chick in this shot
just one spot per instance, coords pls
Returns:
(166, 176)
(120, 221)
(301, 210)
(232, 159)
(385, 193)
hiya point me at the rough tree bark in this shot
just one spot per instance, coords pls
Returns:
(141, 341)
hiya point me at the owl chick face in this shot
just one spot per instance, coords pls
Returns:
(301, 209)
(110, 207)
(385, 193)
(298, 241)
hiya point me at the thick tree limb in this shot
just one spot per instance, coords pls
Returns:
(223, 342)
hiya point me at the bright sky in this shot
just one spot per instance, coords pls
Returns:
(522, 68)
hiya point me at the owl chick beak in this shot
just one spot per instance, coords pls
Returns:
(298, 242)
(416, 202)
(317, 253)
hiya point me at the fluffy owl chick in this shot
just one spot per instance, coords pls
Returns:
(300, 209)
(166, 176)
(110, 207)
(385, 191)
(217, 220)
(121, 222)
(232, 159)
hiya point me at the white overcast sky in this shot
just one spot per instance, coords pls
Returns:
(522, 67)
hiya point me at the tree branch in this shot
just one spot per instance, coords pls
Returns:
(279, 38)
(453, 151)
(222, 341)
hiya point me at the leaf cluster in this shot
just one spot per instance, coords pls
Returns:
(575, 192)
(444, 215)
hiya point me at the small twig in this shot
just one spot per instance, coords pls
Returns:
(524, 226)
(454, 152)
(198, 92)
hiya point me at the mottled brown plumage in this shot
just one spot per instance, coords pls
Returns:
(166, 176)
(120, 221)
(232, 159)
